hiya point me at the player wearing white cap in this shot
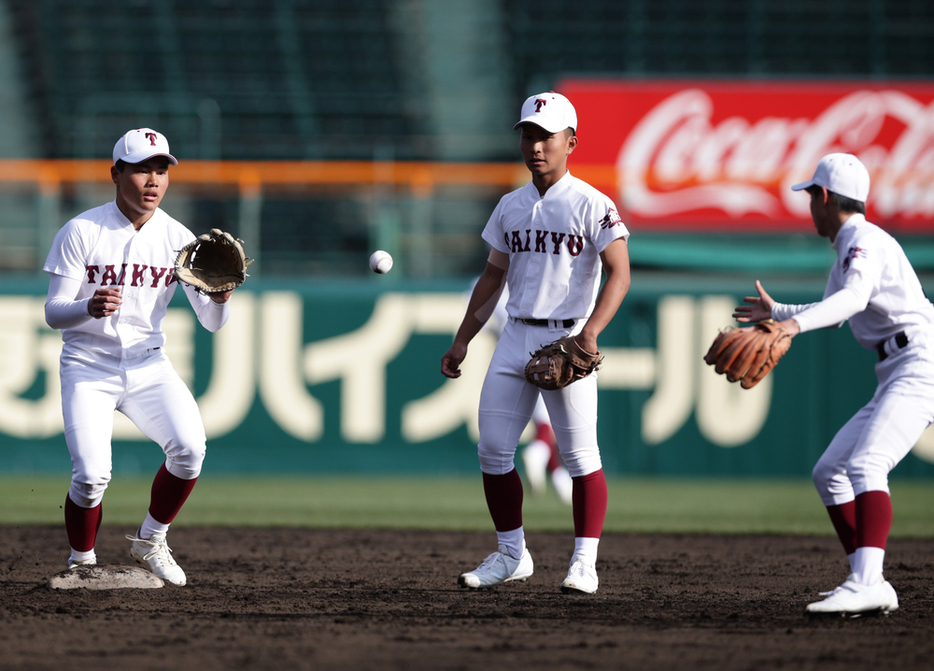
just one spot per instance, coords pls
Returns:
(551, 240)
(873, 286)
(112, 277)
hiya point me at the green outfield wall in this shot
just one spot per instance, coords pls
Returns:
(329, 377)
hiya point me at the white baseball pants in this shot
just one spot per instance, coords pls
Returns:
(507, 401)
(883, 432)
(148, 391)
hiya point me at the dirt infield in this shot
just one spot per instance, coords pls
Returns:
(382, 599)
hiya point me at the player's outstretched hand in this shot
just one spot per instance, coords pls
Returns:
(451, 361)
(759, 308)
(105, 302)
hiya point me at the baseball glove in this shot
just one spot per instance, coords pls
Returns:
(213, 262)
(560, 363)
(746, 355)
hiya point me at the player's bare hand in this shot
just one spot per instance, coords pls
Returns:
(451, 361)
(759, 308)
(105, 302)
(587, 342)
(221, 296)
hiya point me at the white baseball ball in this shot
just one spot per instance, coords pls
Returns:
(380, 262)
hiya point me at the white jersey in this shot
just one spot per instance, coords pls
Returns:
(871, 284)
(554, 244)
(100, 248)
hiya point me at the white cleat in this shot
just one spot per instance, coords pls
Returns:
(75, 563)
(854, 598)
(498, 568)
(582, 577)
(157, 555)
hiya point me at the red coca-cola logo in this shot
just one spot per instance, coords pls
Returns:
(724, 154)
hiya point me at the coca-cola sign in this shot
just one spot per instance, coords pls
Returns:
(723, 154)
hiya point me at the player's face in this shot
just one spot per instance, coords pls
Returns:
(141, 187)
(545, 153)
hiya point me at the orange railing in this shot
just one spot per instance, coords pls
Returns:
(419, 176)
(248, 180)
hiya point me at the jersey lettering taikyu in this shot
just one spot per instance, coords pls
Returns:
(554, 244)
(871, 284)
(101, 248)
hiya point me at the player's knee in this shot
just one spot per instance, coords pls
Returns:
(823, 474)
(834, 484)
(185, 463)
(494, 460)
(583, 461)
(868, 474)
(87, 494)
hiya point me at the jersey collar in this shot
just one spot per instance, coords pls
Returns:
(847, 229)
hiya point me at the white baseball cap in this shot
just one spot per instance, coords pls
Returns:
(141, 144)
(844, 174)
(552, 111)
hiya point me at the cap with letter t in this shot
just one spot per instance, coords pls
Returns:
(141, 145)
(843, 174)
(551, 111)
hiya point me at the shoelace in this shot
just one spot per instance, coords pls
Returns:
(160, 548)
(836, 589)
(578, 570)
(490, 561)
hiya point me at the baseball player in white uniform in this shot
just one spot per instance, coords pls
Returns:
(112, 277)
(550, 241)
(540, 457)
(873, 286)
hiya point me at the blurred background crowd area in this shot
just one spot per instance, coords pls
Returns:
(338, 83)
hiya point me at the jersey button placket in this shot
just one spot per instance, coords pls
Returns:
(535, 225)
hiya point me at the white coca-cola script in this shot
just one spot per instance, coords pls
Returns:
(677, 160)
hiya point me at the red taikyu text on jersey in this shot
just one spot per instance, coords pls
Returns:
(139, 275)
(102, 249)
(554, 244)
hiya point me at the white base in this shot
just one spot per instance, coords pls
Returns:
(114, 576)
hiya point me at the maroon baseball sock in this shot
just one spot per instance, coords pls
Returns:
(504, 499)
(169, 494)
(843, 518)
(589, 499)
(81, 525)
(873, 519)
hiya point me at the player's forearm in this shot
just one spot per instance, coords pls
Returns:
(211, 315)
(64, 314)
(468, 328)
(782, 311)
(485, 297)
(833, 311)
(62, 311)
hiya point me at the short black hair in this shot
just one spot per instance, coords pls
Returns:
(842, 203)
(845, 204)
(120, 165)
